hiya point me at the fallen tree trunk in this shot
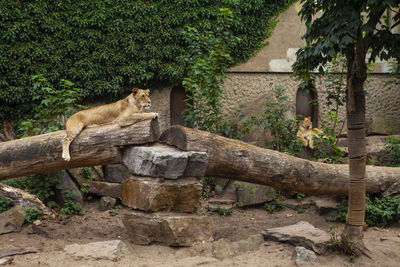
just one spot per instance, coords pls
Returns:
(234, 159)
(93, 146)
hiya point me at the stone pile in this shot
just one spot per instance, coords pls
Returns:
(163, 193)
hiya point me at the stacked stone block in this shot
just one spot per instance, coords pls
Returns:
(163, 194)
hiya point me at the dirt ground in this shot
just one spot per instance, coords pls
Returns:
(54, 234)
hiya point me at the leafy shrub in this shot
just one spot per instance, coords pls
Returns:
(54, 105)
(71, 207)
(274, 118)
(382, 211)
(274, 205)
(5, 203)
(224, 211)
(32, 214)
(116, 210)
(110, 46)
(392, 151)
(42, 185)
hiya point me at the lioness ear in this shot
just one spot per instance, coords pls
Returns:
(147, 91)
(135, 91)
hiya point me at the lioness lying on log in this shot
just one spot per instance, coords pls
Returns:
(124, 112)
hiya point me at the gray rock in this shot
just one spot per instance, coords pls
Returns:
(303, 255)
(197, 164)
(248, 194)
(107, 203)
(105, 250)
(68, 190)
(163, 161)
(115, 173)
(166, 228)
(224, 248)
(300, 234)
(324, 205)
(12, 220)
(149, 194)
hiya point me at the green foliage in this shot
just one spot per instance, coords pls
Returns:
(115, 211)
(71, 207)
(274, 205)
(32, 214)
(325, 143)
(54, 105)
(342, 243)
(87, 173)
(224, 211)
(208, 61)
(5, 203)
(392, 151)
(382, 211)
(300, 196)
(274, 118)
(42, 185)
(342, 26)
(20, 182)
(107, 47)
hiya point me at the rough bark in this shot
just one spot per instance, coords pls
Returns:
(93, 146)
(241, 161)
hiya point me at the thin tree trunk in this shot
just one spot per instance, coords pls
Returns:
(357, 74)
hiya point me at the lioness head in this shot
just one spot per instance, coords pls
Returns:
(142, 98)
(306, 123)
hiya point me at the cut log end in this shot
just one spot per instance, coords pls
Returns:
(176, 136)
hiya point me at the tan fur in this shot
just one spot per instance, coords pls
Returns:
(306, 133)
(124, 112)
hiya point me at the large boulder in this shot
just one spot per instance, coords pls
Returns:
(163, 161)
(12, 220)
(166, 228)
(149, 194)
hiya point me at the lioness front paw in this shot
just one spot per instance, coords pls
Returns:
(66, 157)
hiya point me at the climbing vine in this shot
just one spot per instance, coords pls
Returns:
(105, 47)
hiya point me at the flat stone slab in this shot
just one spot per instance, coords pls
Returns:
(172, 229)
(105, 250)
(164, 161)
(300, 234)
(149, 194)
(324, 205)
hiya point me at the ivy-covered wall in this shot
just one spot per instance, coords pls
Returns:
(108, 46)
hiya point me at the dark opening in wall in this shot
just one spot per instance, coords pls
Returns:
(307, 104)
(177, 105)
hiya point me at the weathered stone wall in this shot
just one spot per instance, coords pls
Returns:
(383, 105)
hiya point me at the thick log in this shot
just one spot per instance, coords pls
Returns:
(234, 159)
(93, 146)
